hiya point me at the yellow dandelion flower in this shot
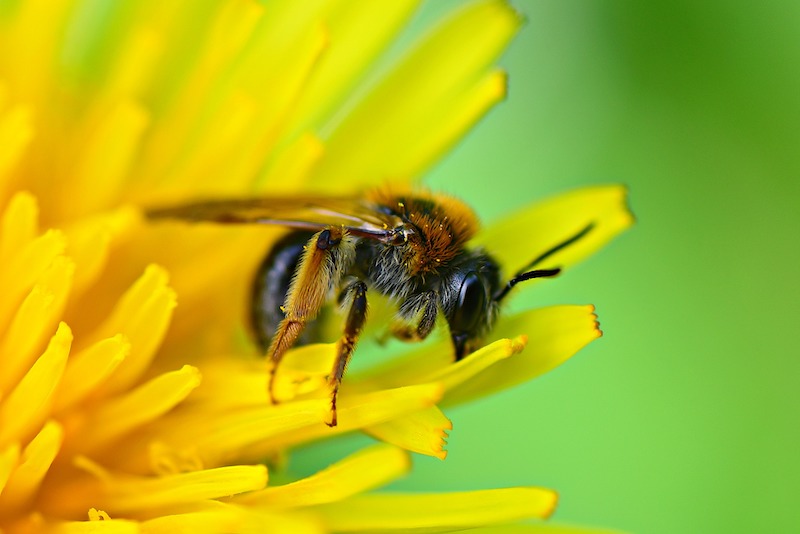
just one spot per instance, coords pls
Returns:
(130, 398)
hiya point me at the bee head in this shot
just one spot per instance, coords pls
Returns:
(472, 299)
(468, 300)
(475, 291)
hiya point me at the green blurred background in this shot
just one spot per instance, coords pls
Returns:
(684, 416)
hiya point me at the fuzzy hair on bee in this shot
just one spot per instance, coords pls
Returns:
(412, 247)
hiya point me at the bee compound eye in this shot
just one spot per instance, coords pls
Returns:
(471, 304)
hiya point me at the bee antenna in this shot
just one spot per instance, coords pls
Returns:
(564, 244)
(538, 273)
(522, 275)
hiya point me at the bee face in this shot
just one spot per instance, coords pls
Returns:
(468, 300)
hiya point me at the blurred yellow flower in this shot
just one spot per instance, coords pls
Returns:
(116, 406)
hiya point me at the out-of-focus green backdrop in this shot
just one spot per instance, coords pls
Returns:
(685, 416)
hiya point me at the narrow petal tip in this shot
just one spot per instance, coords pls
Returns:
(441, 452)
(553, 505)
(596, 320)
(625, 200)
(519, 343)
(502, 84)
(440, 441)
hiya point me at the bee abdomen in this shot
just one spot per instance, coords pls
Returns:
(271, 284)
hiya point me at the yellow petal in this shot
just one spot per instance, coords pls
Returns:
(9, 457)
(231, 31)
(230, 383)
(167, 461)
(33, 466)
(555, 334)
(134, 66)
(443, 66)
(105, 157)
(99, 523)
(144, 403)
(88, 243)
(284, 81)
(219, 282)
(291, 165)
(28, 404)
(362, 410)
(19, 225)
(124, 495)
(363, 471)
(142, 316)
(214, 438)
(19, 274)
(237, 128)
(32, 259)
(304, 369)
(34, 33)
(16, 131)
(449, 511)
(358, 33)
(435, 364)
(89, 368)
(230, 28)
(34, 320)
(128, 494)
(232, 518)
(459, 372)
(252, 433)
(555, 220)
(449, 122)
(110, 526)
(423, 360)
(423, 431)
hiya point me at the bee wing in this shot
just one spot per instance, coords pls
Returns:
(358, 216)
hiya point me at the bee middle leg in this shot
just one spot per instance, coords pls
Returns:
(326, 256)
(416, 317)
(356, 295)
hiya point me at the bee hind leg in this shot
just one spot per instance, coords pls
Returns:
(326, 256)
(356, 295)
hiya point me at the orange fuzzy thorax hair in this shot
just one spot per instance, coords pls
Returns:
(443, 225)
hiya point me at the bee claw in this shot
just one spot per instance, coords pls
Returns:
(271, 388)
(332, 421)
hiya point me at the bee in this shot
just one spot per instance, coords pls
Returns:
(411, 247)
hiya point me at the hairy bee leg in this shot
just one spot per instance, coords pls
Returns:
(417, 317)
(326, 256)
(356, 316)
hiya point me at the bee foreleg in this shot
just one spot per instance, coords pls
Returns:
(327, 255)
(356, 295)
(416, 317)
